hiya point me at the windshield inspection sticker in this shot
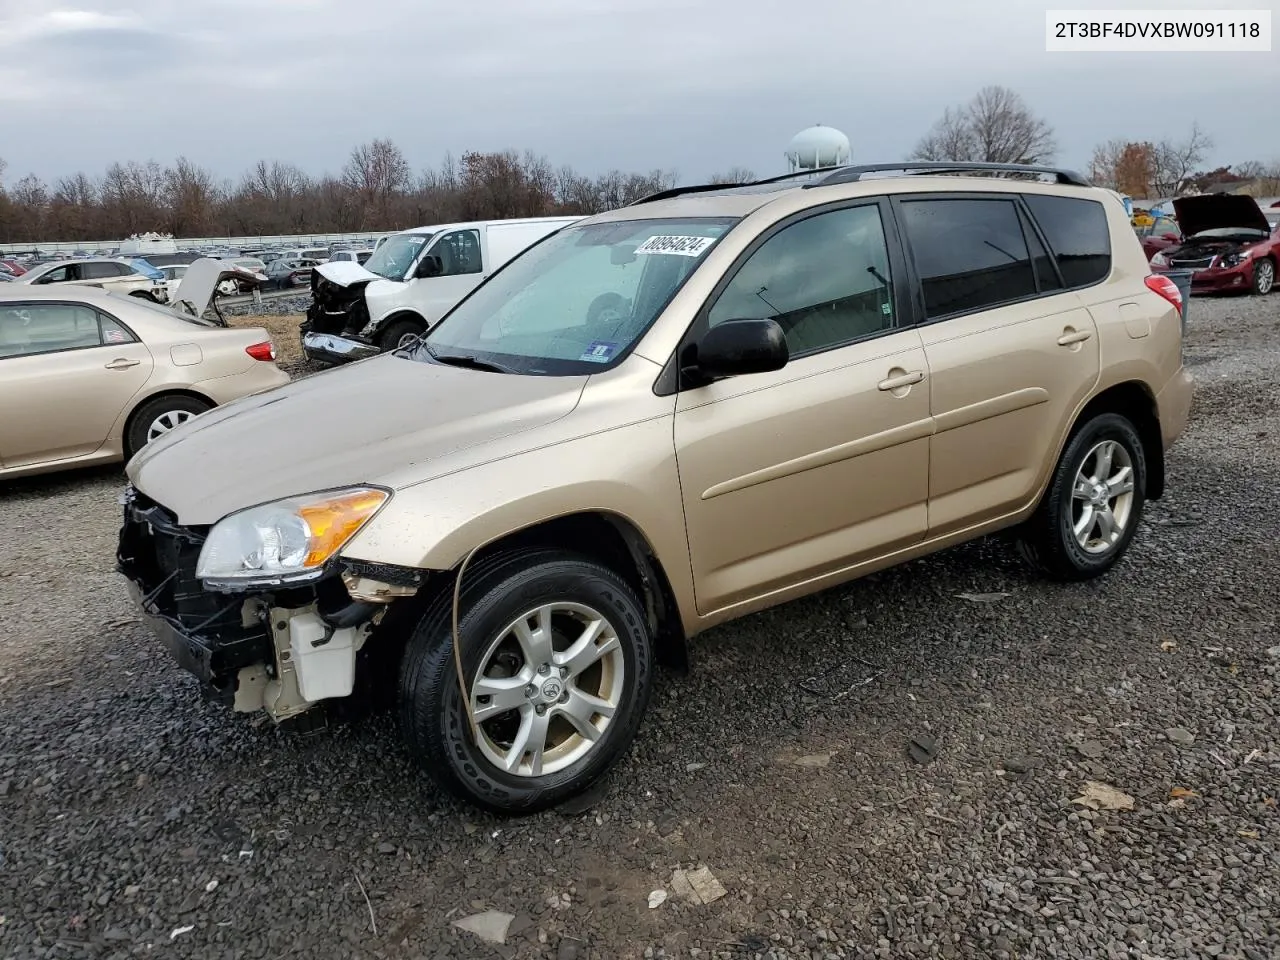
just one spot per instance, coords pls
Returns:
(599, 351)
(678, 246)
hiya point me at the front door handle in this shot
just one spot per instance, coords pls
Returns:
(898, 381)
(1070, 336)
(122, 364)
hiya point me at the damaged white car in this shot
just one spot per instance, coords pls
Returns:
(408, 284)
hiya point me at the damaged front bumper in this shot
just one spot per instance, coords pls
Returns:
(282, 650)
(332, 348)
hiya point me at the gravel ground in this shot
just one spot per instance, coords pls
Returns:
(136, 820)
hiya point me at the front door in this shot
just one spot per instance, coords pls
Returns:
(792, 475)
(462, 269)
(67, 372)
(1011, 353)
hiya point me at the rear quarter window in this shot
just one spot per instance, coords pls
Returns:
(1078, 236)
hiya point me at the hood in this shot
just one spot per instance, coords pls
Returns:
(360, 423)
(195, 290)
(344, 273)
(1214, 211)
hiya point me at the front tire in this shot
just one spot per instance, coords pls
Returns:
(1264, 276)
(399, 333)
(1091, 511)
(558, 658)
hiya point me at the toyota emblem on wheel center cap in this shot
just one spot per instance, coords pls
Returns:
(551, 690)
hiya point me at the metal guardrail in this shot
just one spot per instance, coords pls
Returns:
(243, 299)
(188, 243)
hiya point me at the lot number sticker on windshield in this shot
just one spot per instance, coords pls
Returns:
(677, 246)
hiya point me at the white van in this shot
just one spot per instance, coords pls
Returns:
(411, 281)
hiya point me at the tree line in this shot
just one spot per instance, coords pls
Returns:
(377, 189)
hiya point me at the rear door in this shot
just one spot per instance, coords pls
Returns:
(1011, 351)
(71, 371)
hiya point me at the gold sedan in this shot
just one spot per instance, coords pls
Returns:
(89, 377)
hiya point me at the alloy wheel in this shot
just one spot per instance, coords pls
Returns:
(1264, 276)
(547, 688)
(1102, 497)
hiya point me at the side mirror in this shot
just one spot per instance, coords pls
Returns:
(429, 266)
(736, 347)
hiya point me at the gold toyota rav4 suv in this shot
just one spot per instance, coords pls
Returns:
(655, 420)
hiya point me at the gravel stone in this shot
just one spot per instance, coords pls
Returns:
(123, 794)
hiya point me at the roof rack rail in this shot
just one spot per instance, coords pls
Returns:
(709, 187)
(853, 174)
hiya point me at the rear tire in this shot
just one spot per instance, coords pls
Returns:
(157, 417)
(1093, 505)
(501, 625)
(399, 333)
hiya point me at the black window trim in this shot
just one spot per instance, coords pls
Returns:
(1026, 223)
(1044, 238)
(906, 310)
(98, 313)
(918, 287)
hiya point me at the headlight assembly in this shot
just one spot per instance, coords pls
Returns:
(285, 542)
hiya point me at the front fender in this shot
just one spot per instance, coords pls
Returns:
(630, 473)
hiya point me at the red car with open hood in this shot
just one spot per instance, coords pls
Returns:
(1227, 241)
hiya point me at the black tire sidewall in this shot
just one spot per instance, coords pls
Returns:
(1107, 426)
(434, 711)
(141, 420)
(389, 339)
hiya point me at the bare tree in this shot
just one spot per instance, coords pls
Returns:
(191, 198)
(732, 175)
(996, 126)
(1175, 162)
(950, 138)
(376, 172)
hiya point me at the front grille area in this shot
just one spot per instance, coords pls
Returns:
(160, 556)
(1192, 263)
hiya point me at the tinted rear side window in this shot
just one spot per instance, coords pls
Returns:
(969, 254)
(1077, 232)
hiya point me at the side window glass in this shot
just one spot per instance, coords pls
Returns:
(459, 252)
(99, 271)
(57, 275)
(32, 328)
(1078, 236)
(970, 254)
(1046, 276)
(112, 331)
(825, 280)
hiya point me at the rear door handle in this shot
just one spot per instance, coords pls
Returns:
(902, 380)
(121, 364)
(1074, 336)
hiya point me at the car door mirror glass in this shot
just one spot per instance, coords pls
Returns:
(429, 266)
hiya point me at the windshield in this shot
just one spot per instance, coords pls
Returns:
(394, 258)
(576, 302)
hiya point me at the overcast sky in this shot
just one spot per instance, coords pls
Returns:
(691, 85)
